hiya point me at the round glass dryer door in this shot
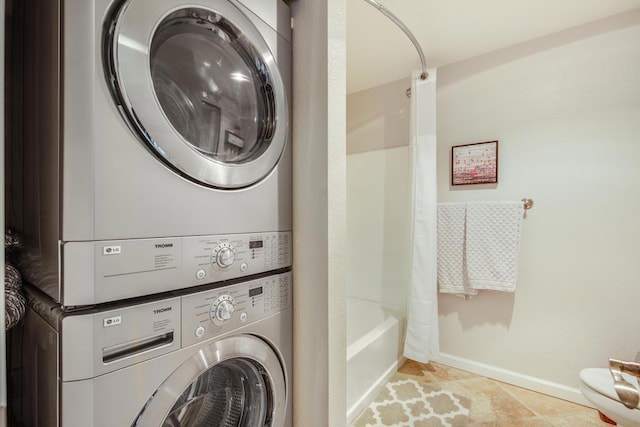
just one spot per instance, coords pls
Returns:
(200, 87)
(235, 382)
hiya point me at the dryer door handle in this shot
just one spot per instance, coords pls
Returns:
(268, 123)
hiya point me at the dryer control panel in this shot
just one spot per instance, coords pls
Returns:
(212, 313)
(121, 269)
(235, 255)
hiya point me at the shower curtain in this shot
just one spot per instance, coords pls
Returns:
(421, 341)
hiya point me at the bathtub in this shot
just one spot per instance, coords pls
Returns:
(374, 349)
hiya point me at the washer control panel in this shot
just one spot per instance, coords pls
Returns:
(211, 313)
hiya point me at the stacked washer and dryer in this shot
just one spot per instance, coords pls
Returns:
(156, 213)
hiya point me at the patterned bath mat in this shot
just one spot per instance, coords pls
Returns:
(407, 402)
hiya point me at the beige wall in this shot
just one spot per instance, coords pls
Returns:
(319, 213)
(566, 110)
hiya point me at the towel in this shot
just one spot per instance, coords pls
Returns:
(452, 277)
(492, 249)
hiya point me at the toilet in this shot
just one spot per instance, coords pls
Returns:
(596, 384)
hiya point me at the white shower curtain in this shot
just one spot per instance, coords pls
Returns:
(422, 341)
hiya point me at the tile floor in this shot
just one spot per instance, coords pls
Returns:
(494, 403)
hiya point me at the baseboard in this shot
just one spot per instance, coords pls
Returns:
(515, 378)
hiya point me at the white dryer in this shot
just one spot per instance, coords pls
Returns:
(220, 357)
(148, 122)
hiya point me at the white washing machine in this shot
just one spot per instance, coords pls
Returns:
(148, 123)
(220, 357)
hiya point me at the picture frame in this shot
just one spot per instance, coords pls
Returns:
(475, 163)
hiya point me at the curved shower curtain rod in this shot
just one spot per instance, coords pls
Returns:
(406, 31)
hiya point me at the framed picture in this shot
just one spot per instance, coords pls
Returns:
(474, 163)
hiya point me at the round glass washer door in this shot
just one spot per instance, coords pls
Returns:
(200, 87)
(235, 382)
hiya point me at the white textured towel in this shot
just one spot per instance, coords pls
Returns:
(493, 244)
(478, 246)
(452, 271)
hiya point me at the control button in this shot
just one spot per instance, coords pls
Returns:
(199, 331)
(243, 266)
(243, 317)
(201, 274)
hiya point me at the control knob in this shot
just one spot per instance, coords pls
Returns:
(222, 309)
(223, 255)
